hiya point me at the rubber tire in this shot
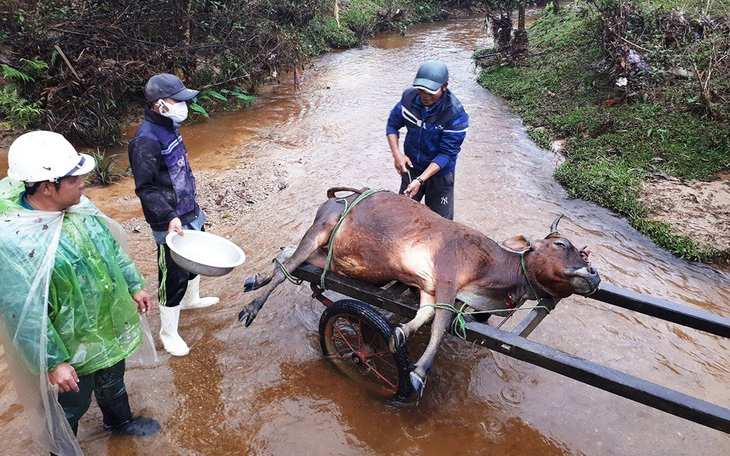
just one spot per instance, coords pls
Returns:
(370, 317)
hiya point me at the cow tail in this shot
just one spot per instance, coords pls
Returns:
(331, 192)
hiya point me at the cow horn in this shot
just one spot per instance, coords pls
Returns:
(554, 227)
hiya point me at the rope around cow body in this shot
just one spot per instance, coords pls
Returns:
(345, 211)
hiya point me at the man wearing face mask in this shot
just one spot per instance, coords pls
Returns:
(165, 186)
(436, 124)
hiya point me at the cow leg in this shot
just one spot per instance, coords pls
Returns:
(258, 280)
(315, 237)
(440, 325)
(403, 332)
(445, 294)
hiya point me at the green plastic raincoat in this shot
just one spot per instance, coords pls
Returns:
(65, 296)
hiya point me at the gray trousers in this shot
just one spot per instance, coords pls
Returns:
(438, 190)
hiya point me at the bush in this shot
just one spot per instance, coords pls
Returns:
(334, 35)
(360, 16)
(17, 110)
(106, 170)
(98, 55)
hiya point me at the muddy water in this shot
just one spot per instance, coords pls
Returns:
(265, 390)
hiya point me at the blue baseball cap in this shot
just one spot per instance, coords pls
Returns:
(431, 76)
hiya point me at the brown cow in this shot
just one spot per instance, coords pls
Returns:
(388, 237)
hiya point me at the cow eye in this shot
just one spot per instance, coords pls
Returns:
(561, 244)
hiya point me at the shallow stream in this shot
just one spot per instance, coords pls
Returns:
(266, 390)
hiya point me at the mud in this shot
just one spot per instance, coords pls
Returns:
(700, 210)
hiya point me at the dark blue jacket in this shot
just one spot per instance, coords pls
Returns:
(163, 179)
(434, 134)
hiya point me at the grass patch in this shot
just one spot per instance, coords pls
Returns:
(563, 91)
(106, 170)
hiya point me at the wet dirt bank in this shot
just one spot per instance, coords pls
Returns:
(265, 390)
(700, 210)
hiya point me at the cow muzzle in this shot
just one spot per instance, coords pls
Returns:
(584, 281)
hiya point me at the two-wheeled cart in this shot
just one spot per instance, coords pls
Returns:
(354, 335)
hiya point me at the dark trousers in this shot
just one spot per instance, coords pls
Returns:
(111, 395)
(172, 278)
(438, 190)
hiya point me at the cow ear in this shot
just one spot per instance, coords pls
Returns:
(517, 244)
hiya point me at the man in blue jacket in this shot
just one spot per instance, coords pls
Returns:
(436, 126)
(165, 186)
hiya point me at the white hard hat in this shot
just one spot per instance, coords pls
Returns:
(39, 156)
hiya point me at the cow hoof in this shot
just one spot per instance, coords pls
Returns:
(254, 283)
(397, 339)
(250, 284)
(418, 382)
(248, 315)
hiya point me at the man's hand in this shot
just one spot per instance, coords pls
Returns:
(418, 181)
(401, 161)
(412, 189)
(175, 225)
(143, 300)
(64, 375)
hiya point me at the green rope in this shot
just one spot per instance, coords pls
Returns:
(346, 211)
(458, 325)
(288, 275)
(529, 284)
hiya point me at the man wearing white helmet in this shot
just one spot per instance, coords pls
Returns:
(70, 296)
(165, 186)
(436, 124)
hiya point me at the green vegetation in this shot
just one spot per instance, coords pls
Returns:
(618, 132)
(226, 99)
(106, 170)
(18, 111)
(78, 67)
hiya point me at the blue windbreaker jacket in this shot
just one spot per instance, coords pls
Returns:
(433, 134)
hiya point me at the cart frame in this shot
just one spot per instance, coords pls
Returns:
(515, 344)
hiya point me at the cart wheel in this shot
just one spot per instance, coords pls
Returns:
(354, 337)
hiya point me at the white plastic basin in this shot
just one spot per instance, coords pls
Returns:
(204, 253)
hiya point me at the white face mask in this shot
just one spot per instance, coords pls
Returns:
(178, 112)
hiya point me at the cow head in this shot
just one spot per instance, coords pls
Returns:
(554, 266)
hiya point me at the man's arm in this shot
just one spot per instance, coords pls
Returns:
(451, 139)
(134, 279)
(392, 132)
(145, 158)
(399, 158)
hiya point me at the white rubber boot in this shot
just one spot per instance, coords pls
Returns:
(171, 340)
(192, 299)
